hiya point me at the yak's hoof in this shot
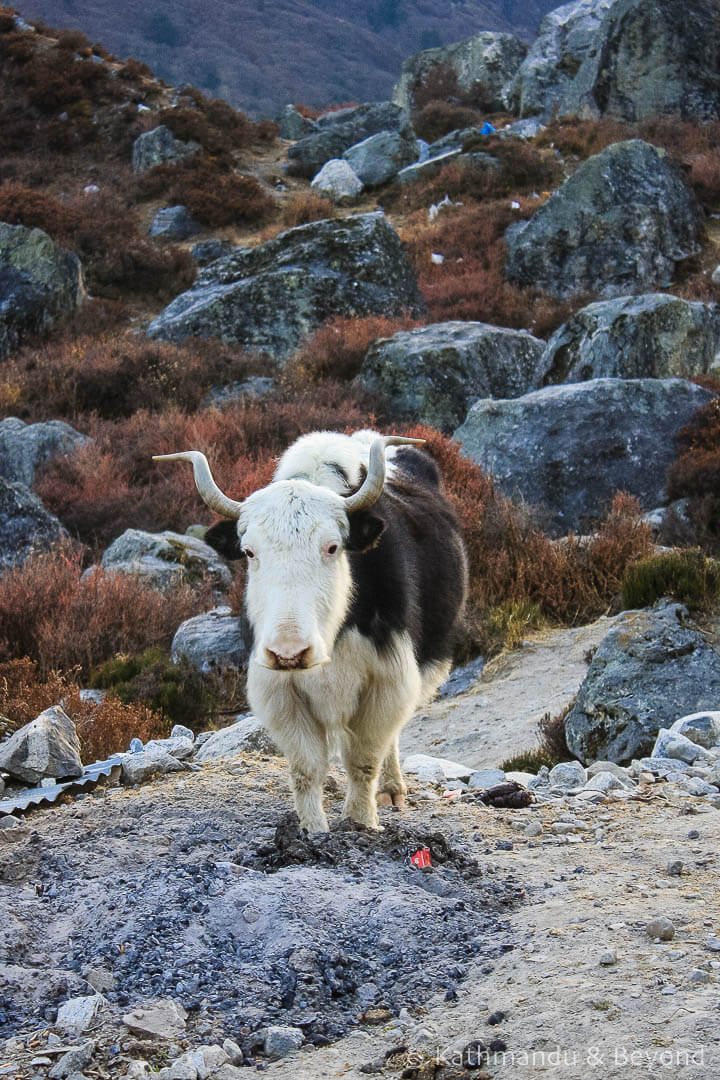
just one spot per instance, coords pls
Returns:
(395, 799)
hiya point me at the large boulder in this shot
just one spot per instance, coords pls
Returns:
(338, 131)
(25, 525)
(434, 373)
(338, 181)
(47, 746)
(378, 158)
(166, 559)
(39, 282)
(571, 447)
(652, 335)
(160, 147)
(565, 37)
(486, 58)
(23, 447)
(649, 58)
(246, 735)
(173, 223)
(270, 297)
(651, 669)
(215, 642)
(618, 225)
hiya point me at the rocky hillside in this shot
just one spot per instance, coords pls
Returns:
(259, 56)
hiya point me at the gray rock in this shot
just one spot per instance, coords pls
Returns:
(567, 775)
(572, 447)
(178, 745)
(611, 767)
(605, 781)
(631, 337)
(485, 778)
(100, 979)
(23, 447)
(693, 785)
(661, 927)
(279, 1041)
(435, 770)
(25, 525)
(163, 1019)
(703, 728)
(454, 140)
(207, 251)
(650, 666)
(671, 744)
(47, 746)
(73, 1061)
(215, 641)
(378, 158)
(649, 59)
(95, 697)
(339, 130)
(39, 282)
(293, 125)
(533, 828)
(487, 58)
(522, 129)
(246, 735)
(564, 38)
(658, 766)
(433, 373)
(619, 225)
(462, 678)
(698, 977)
(421, 170)
(338, 181)
(712, 943)
(173, 223)
(179, 731)
(271, 297)
(135, 746)
(76, 1014)
(160, 147)
(146, 763)
(250, 389)
(607, 958)
(165, 559)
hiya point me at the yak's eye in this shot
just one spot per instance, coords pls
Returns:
(330, 549)
(249, 553)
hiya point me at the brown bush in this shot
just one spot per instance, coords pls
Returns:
(20, 205)
(62, 618)
(695, 474)
(24, 695)
(439, 118)
(115, 375)
(304, 207)
(337, 349)
(107, 728)
(212, 195)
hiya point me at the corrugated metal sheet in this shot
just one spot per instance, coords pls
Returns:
(46, 796)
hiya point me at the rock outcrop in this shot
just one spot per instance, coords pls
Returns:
(39, 282)
(165, 559)
(434, 373)
(47, 746)
(23, 447)
(173, 223)
(652, 335)
(270, 297)
(486, 58)
(338, 180)
(571, 447)
(216, 641)
(650, 58)
(25, 525)
(338, 131)
(378, 158)
(619, 225)
(651, 666)
(564, 39)
(160, 147)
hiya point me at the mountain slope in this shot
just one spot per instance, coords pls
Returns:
(260, 55)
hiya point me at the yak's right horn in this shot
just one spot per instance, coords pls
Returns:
(208, 489)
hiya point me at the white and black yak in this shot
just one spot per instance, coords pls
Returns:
(356, 581)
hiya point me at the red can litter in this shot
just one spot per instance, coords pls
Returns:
(421, 858)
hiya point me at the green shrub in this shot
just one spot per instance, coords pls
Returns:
(688, 576)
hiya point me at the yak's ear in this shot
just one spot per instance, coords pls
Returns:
(223, 537)
(366, 529)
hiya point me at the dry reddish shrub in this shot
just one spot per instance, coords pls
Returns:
(583, 138)
(113, 376)
(439, 118)
(695, 475)
(114, 484)
(211, 194)
(337, 349)
(53, 612)
(20, 205)
(24, 695)
(470, 284)
(705, 177)
(306, 206)
(107, 728)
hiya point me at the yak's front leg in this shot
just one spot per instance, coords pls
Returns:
(392, 788)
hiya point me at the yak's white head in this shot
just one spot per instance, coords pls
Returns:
(294, 534)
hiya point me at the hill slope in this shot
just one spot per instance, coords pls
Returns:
(259, 56)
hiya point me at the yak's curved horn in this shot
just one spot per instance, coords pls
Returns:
(208, 489)
(374, 482)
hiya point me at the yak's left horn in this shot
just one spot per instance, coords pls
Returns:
(208, 489)
(374, 482)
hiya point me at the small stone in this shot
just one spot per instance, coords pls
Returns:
(660, 927)
(137, 1070)
(568, 775)
(135, 747)
(279, 1041)
(485, 778)
(675, 868)
(713, 943)
(533, 828)
(162, 1019)
(77, 1013)
(608, 958)
(671, 744)
(100, 979)
(693, 835)
(233, 1051)
(697, 977)
(74, 1061)
(179, 731)
(432, 770)
(496, 1018)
